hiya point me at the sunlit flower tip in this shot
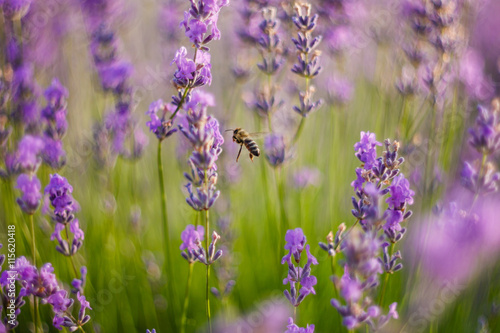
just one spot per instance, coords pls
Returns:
(152, 331)
(303, 19)
(333, 242)
(31, 197)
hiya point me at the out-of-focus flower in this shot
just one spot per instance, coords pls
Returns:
(15, 9)
(31, 197)
(340, 90)
(272, 320)
(485, 135)
(471, 73)
(274, 147)
(306, 177)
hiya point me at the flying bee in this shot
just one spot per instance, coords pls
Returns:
(242, 137)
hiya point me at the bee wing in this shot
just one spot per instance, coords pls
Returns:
(258, 135)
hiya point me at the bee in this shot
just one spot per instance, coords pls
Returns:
(242, 137)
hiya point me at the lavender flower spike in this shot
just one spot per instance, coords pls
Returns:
(298, 275)
(59, 191)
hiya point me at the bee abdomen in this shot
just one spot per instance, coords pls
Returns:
(252, 147)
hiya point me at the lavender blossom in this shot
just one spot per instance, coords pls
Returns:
(15, 9)
(481, 176)
(203, 133)
(201, 254)
(114, 75)
(191, 74)
(274, 146)
(191, 242)
(31, 197)
(366, 149)
(298, 277)
(485, 135)
(360, 276)
(42, 283)
(160, 126)
(307, 65)
(59, 191)
(270, 43)
(306, 177)
(54, 114)
(28, 153)
(78, 284)
(201, 16)
(293, 328)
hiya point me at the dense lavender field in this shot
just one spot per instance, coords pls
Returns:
(239, 166)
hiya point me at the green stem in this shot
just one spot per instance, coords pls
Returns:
(167, 261)
(429, 156)
(299, 130)
(163, 202)
(386, 278)
(186, 299)
(33, 239)
(207, 238)
(281, 197)
(35, 316)
(71, 257)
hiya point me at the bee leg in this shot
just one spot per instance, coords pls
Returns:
(241, 147)
(251, 157)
